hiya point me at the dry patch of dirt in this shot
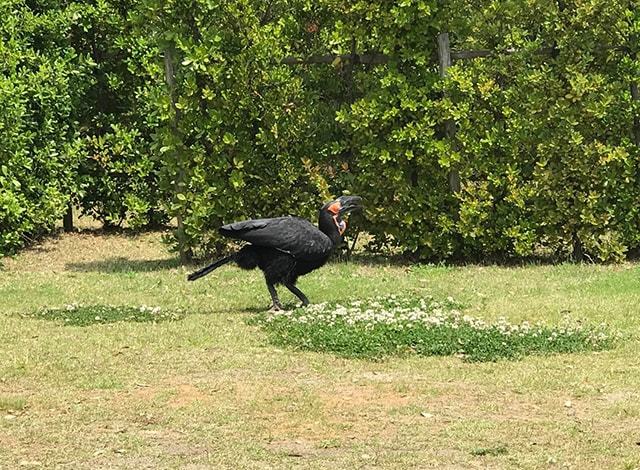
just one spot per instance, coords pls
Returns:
(306, 421)
(348, 399)
(181, 394)
(187, 394)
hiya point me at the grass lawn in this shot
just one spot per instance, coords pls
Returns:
(207, 390)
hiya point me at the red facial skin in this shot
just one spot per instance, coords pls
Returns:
(335, 210)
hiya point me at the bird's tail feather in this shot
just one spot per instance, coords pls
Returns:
(207, 269)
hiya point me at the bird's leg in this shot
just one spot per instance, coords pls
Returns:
(298, 293)
(276, 305)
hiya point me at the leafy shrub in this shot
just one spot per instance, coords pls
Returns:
(546, 143)
(117, 181)
(117, 178)
(40, 85)
(235, 131)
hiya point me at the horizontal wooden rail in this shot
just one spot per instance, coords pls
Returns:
(374, 58)
(377, 58)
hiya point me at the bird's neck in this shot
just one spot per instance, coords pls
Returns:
(327, 225)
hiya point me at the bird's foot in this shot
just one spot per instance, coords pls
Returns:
(276, 308)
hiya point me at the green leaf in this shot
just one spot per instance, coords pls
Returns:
(229, 138)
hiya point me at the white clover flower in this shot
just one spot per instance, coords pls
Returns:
(340, 310)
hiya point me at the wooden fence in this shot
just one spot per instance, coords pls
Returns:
(445, 58)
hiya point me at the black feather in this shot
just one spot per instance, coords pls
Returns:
(207, 269)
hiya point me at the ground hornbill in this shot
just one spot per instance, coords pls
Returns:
(285, 248)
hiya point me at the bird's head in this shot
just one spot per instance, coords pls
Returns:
(331, 213)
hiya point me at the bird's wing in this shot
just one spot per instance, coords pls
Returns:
(293, 235)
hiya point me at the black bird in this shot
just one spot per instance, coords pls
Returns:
(285, 248)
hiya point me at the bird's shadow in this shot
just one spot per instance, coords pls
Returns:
(287, 306)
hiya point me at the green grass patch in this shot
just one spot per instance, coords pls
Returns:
(86, 315)
(12, 403)
(392, 326)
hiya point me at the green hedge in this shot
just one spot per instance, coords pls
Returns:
(117, 177)
(545, 144)
(244, 136)
(40, 84)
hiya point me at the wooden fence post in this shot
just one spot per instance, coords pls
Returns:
(186, 254)
(444, 56)
(67, 221)
(635, 97)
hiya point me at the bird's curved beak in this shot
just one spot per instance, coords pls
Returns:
(349, 204)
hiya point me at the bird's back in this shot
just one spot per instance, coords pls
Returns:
(293, 235)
